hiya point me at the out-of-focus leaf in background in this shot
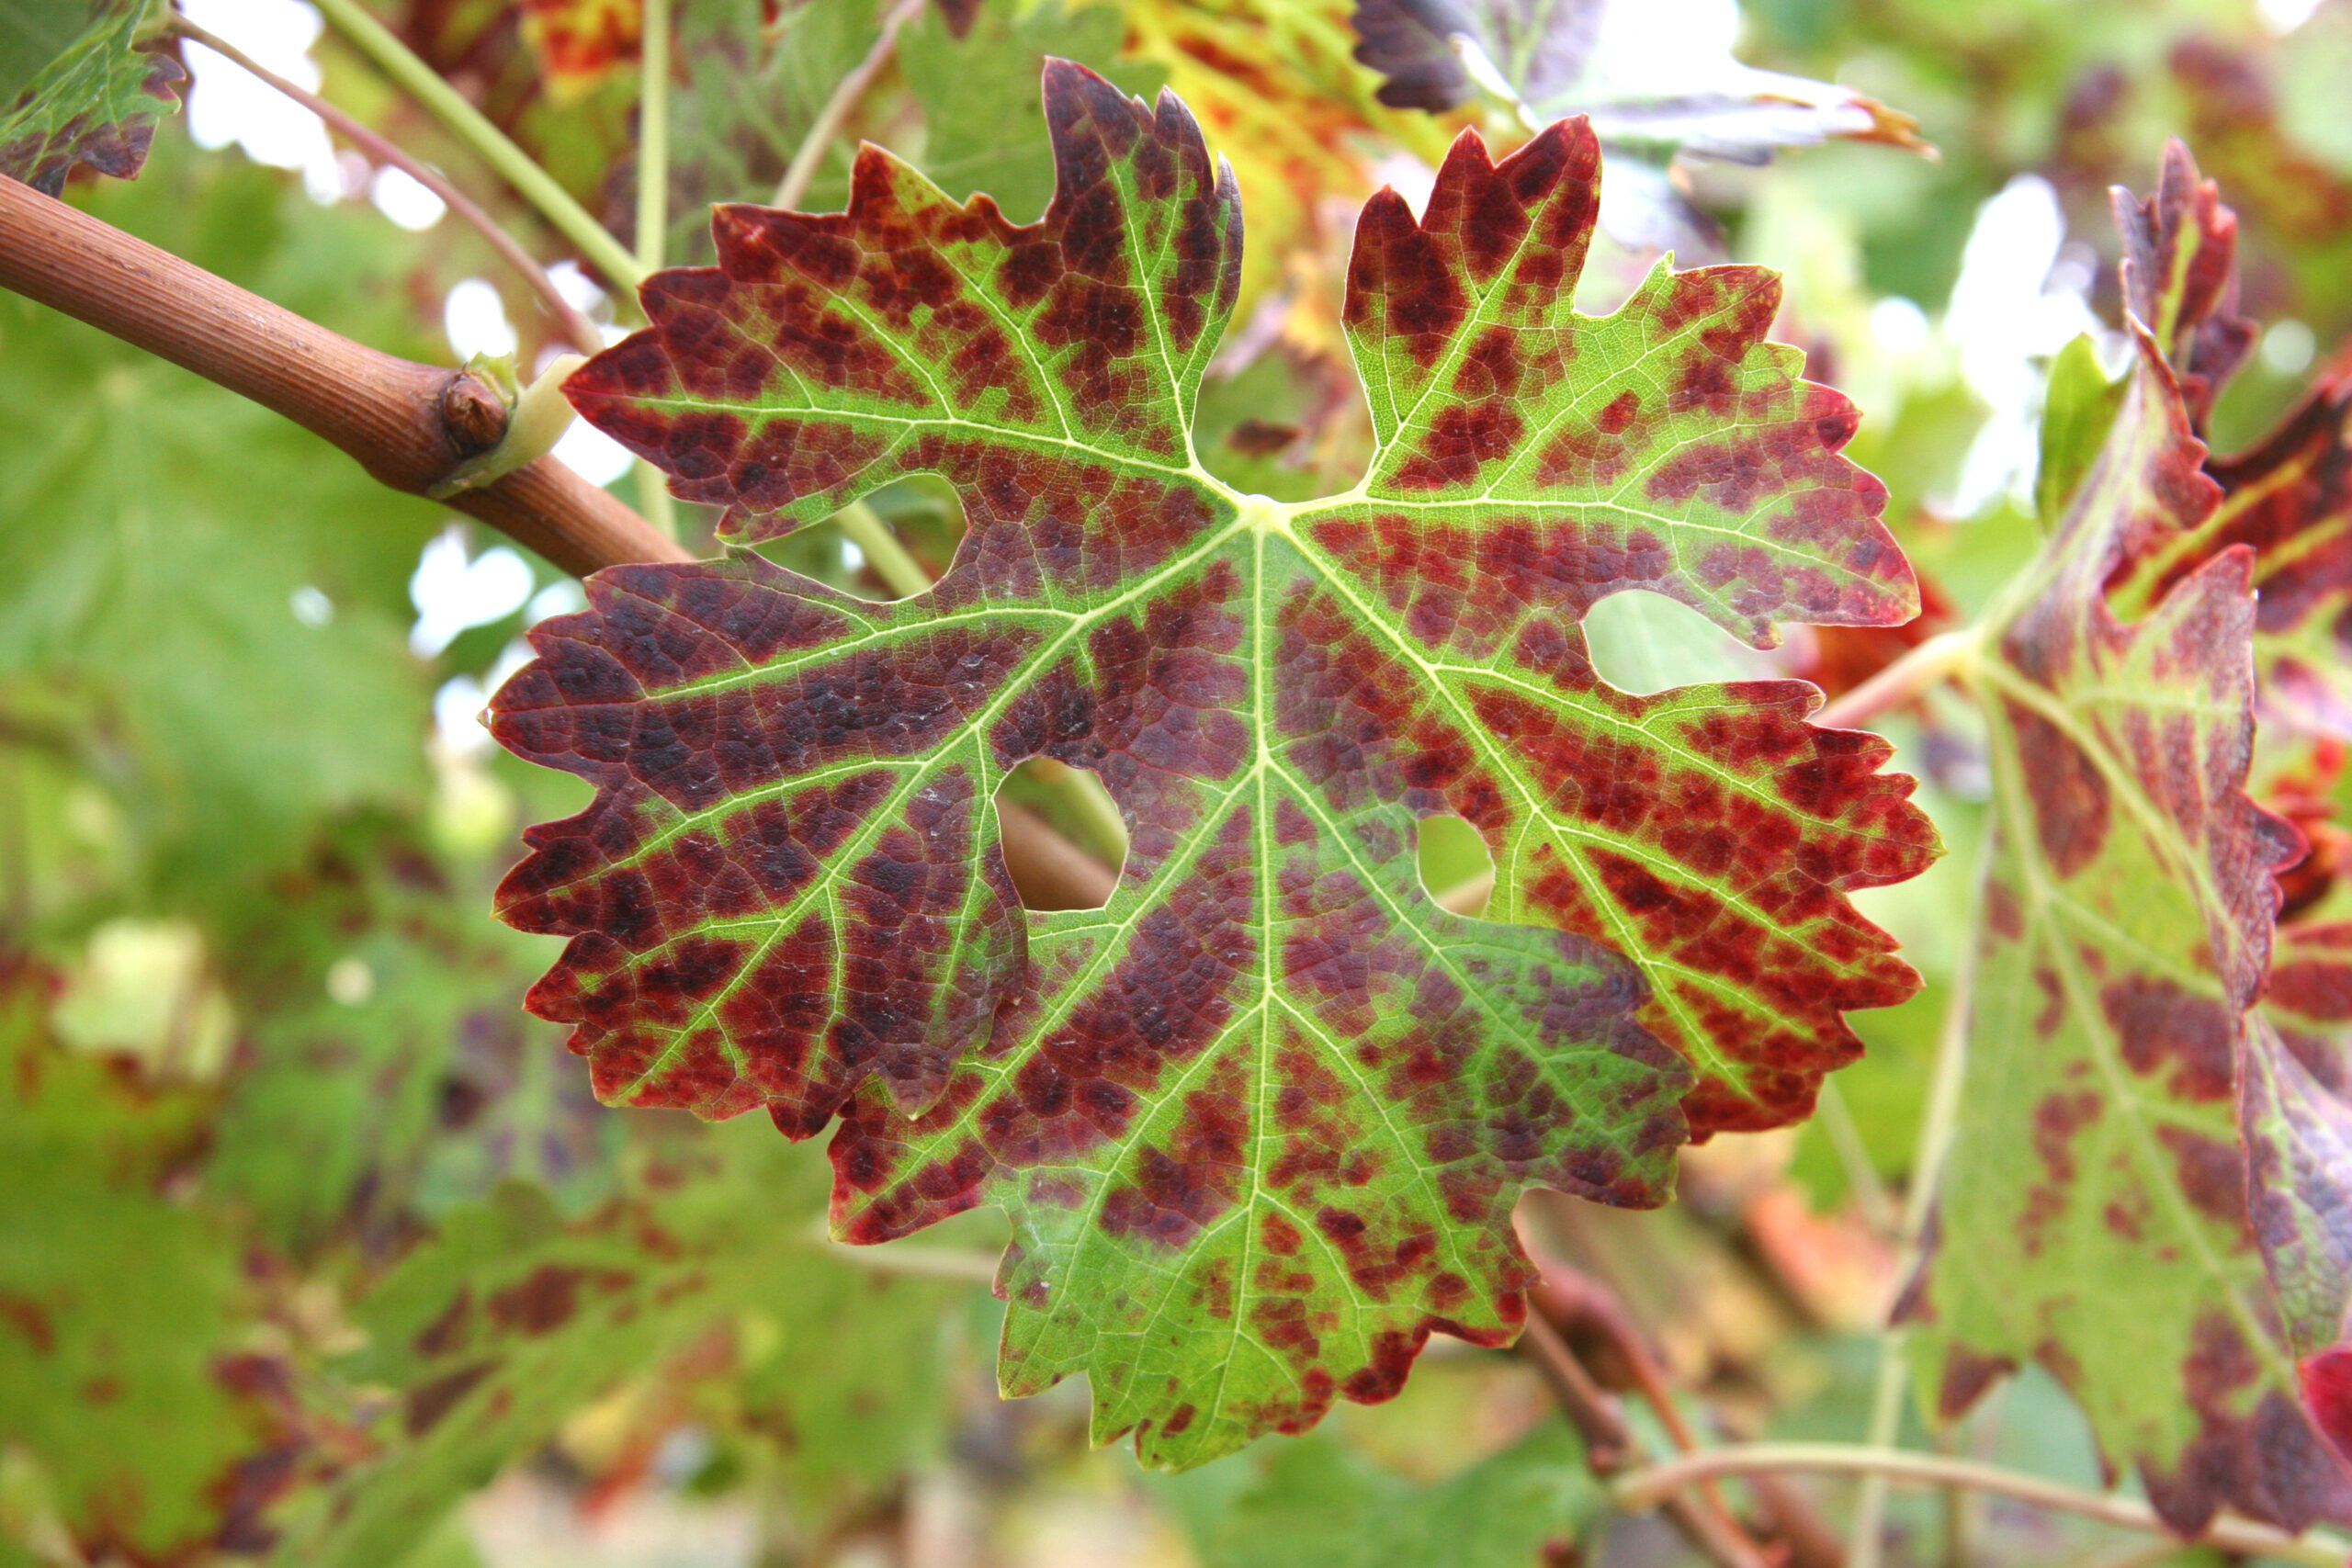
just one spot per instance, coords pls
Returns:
(222, 594)
(75, 96)
(116, 1301)
(711, 1264)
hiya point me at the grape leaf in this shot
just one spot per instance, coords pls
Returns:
(32, 37)
(843, 1379)
(2093, 1211)
(146, 574)
(580, 42)
(2077, 412)
(1657, 78)
(1260, 1120)
(2296, 1118)
(754, 89)
(1276, 84)
(96, 103)
(381, 1050)
(981, 128)
(1604, 60)
(509, 1319)
(2181, 277)
(2288, 497)
(115, 1302)
(585, 137)
(751, 94)
(1316, 1505)
(2297, 1112)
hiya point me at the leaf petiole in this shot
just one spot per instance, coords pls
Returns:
(383, 150)
(1945, 655)
(1652, 1484)
(865, 528)
(471, 126)
(654, 210)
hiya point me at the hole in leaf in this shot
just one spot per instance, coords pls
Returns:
(1456, 868)
(1065, 840)
(1278, 423)
(1644, 642)
(888, 545)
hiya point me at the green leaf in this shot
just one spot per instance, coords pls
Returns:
(385, 1069)
(2076, 414)
(162, 529)
(1259, 1121)
(756, 88)
(2298, 1125)
(95, 101)
(33, 35)
(752, 91)
(509, 1319)
(1316, 1505)
(843, 1372)
(2093, 1211)
(115, 1302)
(979, 92)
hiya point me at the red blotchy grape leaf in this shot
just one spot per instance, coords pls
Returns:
(2288, 497)
(2181, 277)
(2296, 1115)
(1260, 1120)
(2327, 1393)
(2093, 1213)
(2298, 1112)
(95, 104)
(580, 42)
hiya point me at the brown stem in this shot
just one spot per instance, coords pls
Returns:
(1643, 1488)
(1609, 1444)
(1573, 1303)
(408, 424)
(576, 326)
(1900, 681)
(1574, 1300)
(1789, 1514)
(1048, 871)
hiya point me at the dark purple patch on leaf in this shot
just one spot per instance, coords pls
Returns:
(2071, 804)
(2161, 1029)
(429, 1402)
(1966, 1376)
